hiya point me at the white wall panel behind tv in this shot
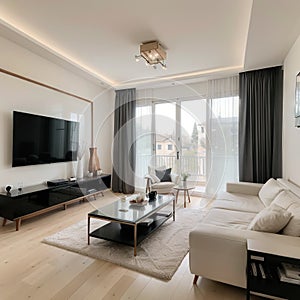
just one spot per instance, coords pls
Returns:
(20, 95)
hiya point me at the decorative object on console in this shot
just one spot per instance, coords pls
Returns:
(8, 188)
(94, 164)
(153, 53)
(81, 150)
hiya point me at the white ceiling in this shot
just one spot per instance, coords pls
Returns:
(202, 37)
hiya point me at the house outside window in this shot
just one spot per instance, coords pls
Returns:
(170, 147)
(158, 146)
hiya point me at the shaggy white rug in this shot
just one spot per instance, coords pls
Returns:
(159, 255)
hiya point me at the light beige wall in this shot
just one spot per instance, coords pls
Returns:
(16, 94)
(103, 127)
(291, 134)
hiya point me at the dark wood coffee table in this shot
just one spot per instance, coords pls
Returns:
(131, 223)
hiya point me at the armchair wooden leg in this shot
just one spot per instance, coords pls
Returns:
(195, 279)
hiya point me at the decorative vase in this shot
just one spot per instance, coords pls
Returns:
(94, 164)
(184, 184)
(79, 171)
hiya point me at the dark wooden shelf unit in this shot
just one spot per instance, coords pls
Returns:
(271, 285)
(38, 199)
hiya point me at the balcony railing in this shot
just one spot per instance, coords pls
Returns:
(194, 165)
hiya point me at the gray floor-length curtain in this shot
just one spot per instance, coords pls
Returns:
(124, 142)
(260, 124)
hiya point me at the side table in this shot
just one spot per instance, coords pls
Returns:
(185, 190)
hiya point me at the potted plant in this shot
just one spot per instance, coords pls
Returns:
(184, 177)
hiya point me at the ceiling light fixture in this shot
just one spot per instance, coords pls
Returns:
(153, 53)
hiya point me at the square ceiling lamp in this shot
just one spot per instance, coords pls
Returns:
(153, 53)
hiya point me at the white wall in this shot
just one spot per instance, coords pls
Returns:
(291, 134)
(103, 127)
(16, 94)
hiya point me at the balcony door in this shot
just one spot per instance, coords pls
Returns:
(171, 134)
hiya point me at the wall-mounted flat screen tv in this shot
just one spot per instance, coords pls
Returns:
(43, 140)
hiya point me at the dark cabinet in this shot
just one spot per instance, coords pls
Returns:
(35, 200)
(264, 261)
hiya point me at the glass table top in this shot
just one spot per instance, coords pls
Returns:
(131, 213)
(183, 187)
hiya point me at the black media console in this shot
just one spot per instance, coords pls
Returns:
(38, 199)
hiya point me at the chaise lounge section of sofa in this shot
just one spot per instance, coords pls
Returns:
(218, 246)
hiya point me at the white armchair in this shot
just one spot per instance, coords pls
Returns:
(163, 183)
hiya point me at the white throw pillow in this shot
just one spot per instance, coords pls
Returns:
(271, 219)
(269, 191)
(154, 178)
(293, 226)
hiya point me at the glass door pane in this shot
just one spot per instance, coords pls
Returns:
(222, 129)
(193, 140)
(144, 142)
(165, 135)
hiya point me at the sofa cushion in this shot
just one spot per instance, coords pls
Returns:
(239, 202)
(271, 219)
(269, 191)
(285, 199)
(229, 218)
(293, 226)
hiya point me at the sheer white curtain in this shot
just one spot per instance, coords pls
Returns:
(222, 133)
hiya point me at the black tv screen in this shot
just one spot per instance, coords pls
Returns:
(43, 140)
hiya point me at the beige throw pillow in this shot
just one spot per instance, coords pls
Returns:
(269, 191)
(271, 219)
(293, 226)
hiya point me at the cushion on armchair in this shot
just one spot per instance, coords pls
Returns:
(151, 173)
(164, 175)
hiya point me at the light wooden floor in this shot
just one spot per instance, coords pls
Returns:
(30, 269)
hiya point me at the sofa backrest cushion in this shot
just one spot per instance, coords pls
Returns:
(290, 202)
(269, 191)
(271, 219)
(285, 199)
(293, 226)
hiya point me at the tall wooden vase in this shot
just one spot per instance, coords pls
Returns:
(94, 164)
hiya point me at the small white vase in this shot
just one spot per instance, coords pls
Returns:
(79, 171)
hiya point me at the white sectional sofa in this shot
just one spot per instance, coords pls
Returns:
(218, 246)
